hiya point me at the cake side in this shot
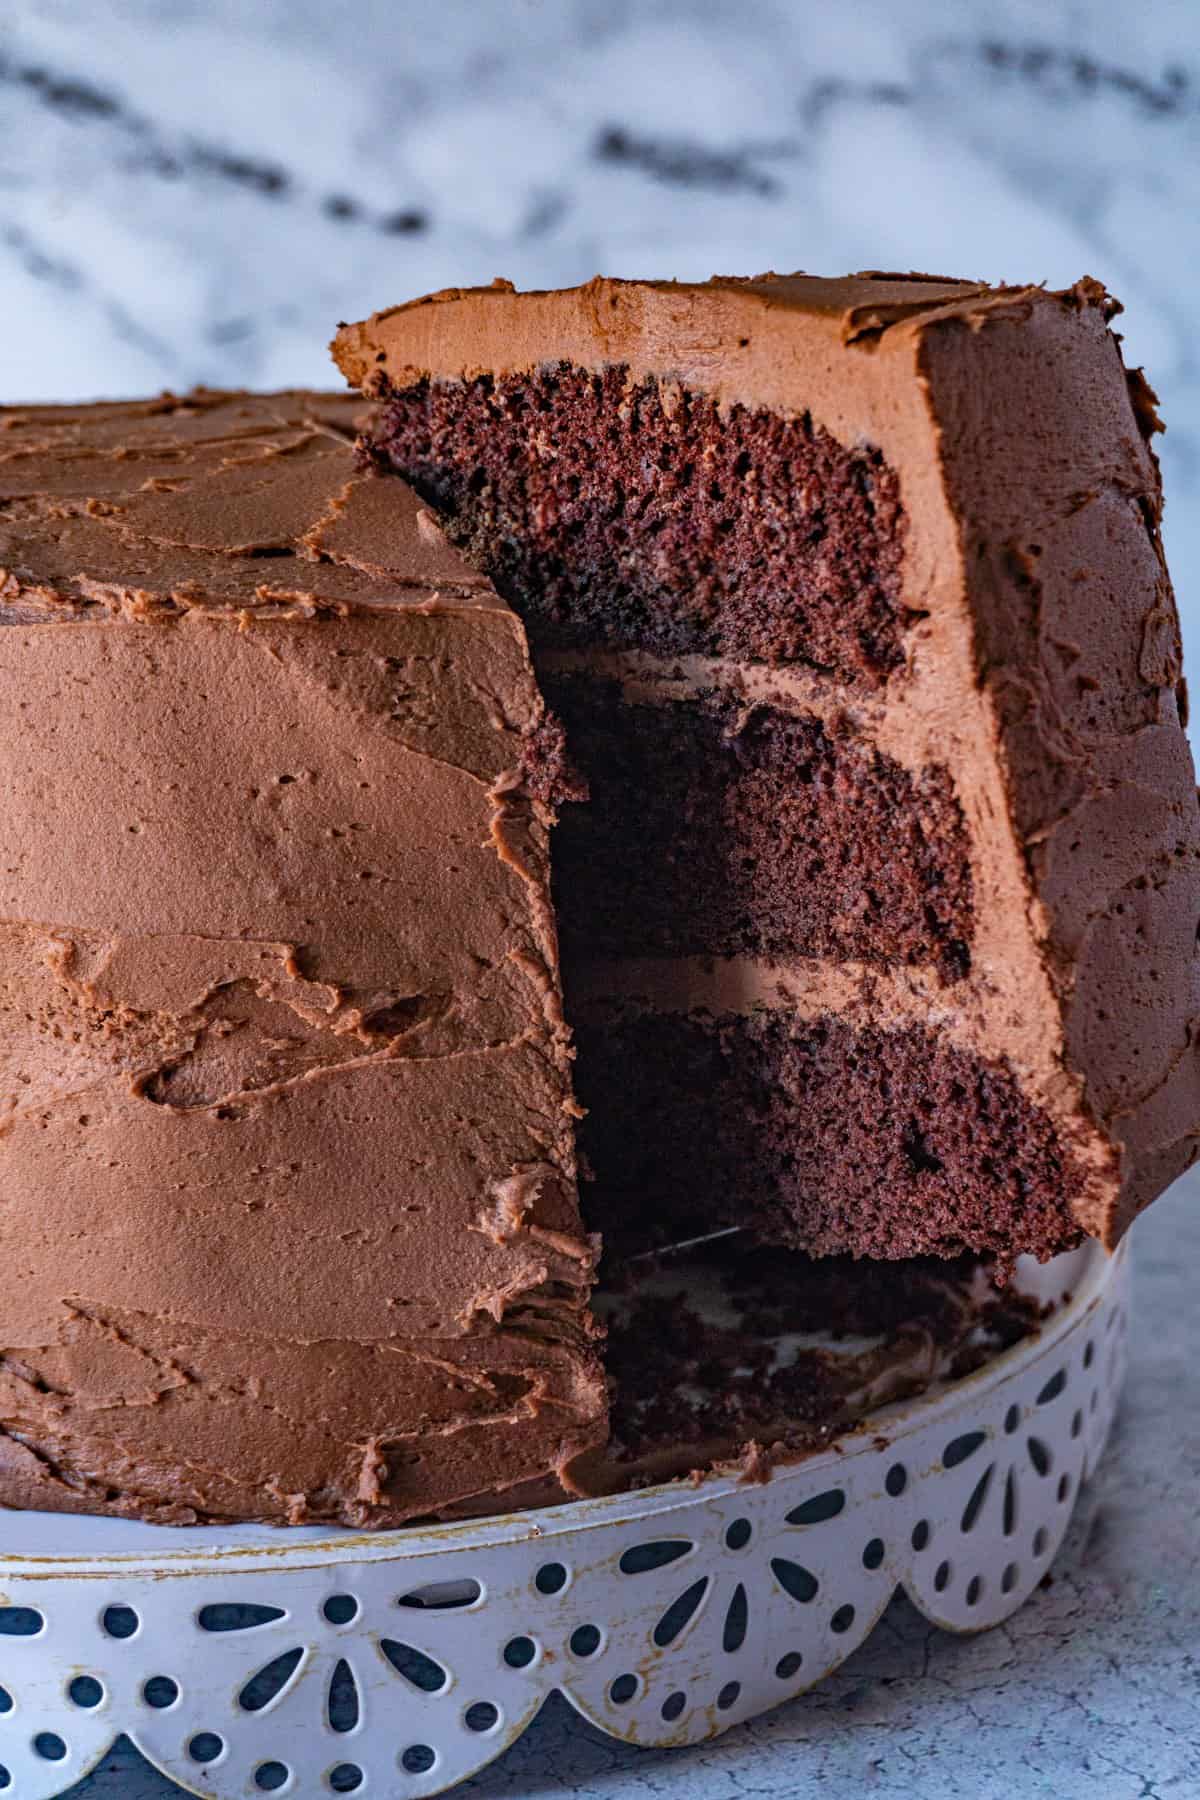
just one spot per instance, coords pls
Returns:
(764, 438)
(287, 1155)
(1080, 656)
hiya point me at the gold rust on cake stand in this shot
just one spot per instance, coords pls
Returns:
(248, 1660)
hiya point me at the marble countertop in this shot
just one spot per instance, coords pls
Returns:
(197, 190)
(1091, 1690)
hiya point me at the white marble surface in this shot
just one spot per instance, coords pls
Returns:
(197, 191)
(1091, 1692)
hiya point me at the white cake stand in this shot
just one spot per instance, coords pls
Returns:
(247, 1660)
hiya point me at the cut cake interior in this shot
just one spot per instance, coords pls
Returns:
(879, 927)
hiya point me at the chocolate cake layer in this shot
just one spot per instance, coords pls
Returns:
(758, 833)
(816, 1133)
(762, 1356)
(637, 514)
(928, 510)
(288, 1218)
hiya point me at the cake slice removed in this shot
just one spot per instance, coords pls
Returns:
(880, 926)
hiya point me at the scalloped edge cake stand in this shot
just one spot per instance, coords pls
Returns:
(664, 1616)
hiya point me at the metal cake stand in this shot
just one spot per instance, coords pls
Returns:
(246, 1660)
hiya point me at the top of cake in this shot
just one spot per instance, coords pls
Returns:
(207, 499)
(657, 325)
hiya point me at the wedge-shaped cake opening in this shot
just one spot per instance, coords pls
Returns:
(763, 1355)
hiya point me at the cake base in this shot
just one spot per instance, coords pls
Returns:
(248, 1658)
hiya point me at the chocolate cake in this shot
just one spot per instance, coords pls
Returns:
(878, 921)
(879, 927)
(289, 1218)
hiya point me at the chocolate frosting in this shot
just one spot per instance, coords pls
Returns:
(289, 1224)
(1043, 667)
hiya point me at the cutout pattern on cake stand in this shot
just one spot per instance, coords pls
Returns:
(253, 1661)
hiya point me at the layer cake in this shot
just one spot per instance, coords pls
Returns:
(288, 1208)
(878, 926)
